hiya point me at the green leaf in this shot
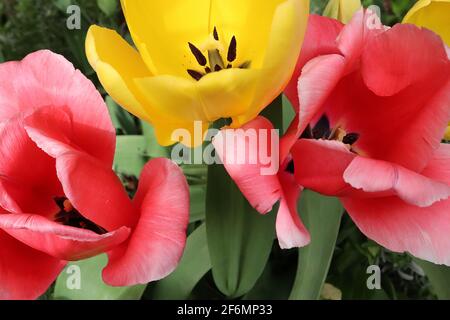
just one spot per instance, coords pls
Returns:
(439, 277)
(322, 216)
(198, 197)
(92, 286)
(109, 7)
(122, 120)
(192, 268)
(239, 238)
(130, 158)
(62, 4)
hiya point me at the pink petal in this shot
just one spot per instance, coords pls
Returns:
(25, 273)
(401, 227)
(438, 168)
(45, 79)
(243, 162)
(159, 238)
(28, 181)
(320, 165)
(95, 191)
(320, 39)
(291, 232)
(56, 240)
(377, 176)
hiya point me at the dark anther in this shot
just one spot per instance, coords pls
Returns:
(307, 134)
(322, 128)
(290, 167)
(201, 59)
(208, 70)
(195, 74)
(245, 65)
(215, 34)
(351, 138)
(229, 66)
(217, 68)
(232, 50)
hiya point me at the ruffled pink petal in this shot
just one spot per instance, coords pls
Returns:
(45, 79)
(320, 165)
(372, 175)
(320, 39)
(291, 232)
(25, 273)
(401, 227)
(95, 191)
(159, 238)
(28, 181)
(56, 240)
(242, 159)
(438, 168)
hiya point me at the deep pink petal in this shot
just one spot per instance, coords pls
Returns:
(291, 232)
(28, 181)
(320, 39)
(159, 238)
(45, 79)
(25, 273)
(372, 175)
(56, 240)
(438, 168)
(240, 151)
(95, 191)
(400, 227)
(320, 165)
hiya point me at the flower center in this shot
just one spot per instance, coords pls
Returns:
(69, 216)
(215, 62)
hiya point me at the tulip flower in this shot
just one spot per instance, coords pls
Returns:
(342, 10)
(374, 125)
(59, 198)
(199, 61)
(433, 15)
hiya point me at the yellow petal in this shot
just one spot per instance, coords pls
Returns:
(433, 15)
(342, 10)
(285, 41)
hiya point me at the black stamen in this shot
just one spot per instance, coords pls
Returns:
(351, 138)
(201, 59)
(290, 167)
(229, 66)
(195, 74)
(217, 68)
(245, 65)
(307, 134)
(322, 128)
(208, 70)
(215, 34)
(232, 50)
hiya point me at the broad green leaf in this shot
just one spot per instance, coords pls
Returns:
(439, 277)
(192, 268)
(108, 7)
(122, 120)
(91, 284)
(239, 238)
(62, 4)
(322, 216)
(198, 196)
(130, 158)
(152, 148)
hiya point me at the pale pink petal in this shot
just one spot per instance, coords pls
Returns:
(372, 175)
(56, 240)
(401, 227)
(25, 273)
(159, 238)
(240, 151)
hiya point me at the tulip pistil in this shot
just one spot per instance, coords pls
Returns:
(69, 216)
(216, 61)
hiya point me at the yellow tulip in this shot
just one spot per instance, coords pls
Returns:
(342, 10)
(199, 60)
(433, 15)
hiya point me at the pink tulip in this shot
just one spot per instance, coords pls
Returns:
(59, 198)
(385, 94)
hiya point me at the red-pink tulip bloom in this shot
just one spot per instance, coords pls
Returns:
(59, 198)
(385, 94)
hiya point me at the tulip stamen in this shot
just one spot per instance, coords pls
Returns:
(69, 216)
(215, 59)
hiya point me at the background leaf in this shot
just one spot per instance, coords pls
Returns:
(92, 285)
(439, 277)
(109, 7)
(322, 216)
